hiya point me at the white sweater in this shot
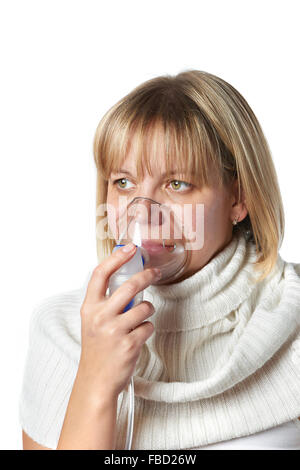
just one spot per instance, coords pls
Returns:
(222, 364)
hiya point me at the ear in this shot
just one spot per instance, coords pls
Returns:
(238, 207)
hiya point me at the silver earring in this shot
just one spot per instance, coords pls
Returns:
(235, 221)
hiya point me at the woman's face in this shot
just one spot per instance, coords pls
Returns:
(219, 204)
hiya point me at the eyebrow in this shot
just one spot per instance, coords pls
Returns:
(173, 172)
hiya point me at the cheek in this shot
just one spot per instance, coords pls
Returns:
(215, 215)
(112, 214)
(116, 208)
(111, 220)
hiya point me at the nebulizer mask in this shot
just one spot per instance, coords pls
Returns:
(157, 232)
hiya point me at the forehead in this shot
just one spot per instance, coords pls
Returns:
(158, 167)
(150, 154)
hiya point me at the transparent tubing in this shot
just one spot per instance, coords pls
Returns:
(130, 417)
(130, 421)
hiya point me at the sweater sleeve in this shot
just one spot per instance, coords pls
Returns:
(50, 367)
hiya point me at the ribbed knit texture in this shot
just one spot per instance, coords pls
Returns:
(223, 361)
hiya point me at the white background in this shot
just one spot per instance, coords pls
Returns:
(63, 64)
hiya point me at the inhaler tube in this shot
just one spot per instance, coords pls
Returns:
(125, 272)
(165, 253)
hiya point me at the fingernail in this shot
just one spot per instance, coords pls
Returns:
(129, 247)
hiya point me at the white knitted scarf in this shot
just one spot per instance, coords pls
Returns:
(224, 360)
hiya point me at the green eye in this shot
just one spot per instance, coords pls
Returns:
(179, 183)
(121, 181)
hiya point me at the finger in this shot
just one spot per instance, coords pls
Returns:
(141, 333)
(127, 291)
(98, 283)
(135, 316)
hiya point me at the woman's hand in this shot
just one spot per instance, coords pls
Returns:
(111, 341)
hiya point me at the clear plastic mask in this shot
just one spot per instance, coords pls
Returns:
(154, 228)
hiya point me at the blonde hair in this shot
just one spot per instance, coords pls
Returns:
(211, 130)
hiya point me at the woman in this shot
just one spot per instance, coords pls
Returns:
(218, 365)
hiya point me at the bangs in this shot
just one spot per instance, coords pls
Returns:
(142, 121)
